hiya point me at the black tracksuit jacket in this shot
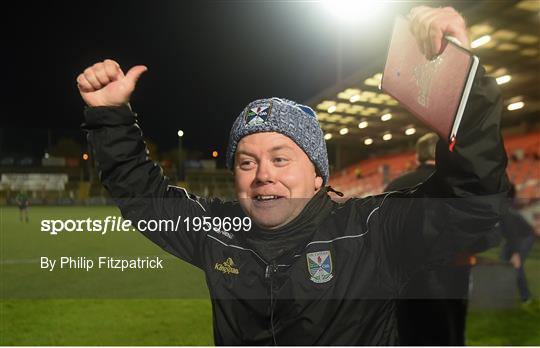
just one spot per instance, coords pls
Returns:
(368, 248)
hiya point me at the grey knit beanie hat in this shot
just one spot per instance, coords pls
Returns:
(296, 121)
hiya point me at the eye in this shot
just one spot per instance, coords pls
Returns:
(246, 164)
(281, 161)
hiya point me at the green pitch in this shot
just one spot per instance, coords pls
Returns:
(96, 307)
(513, 327)
(142, 307)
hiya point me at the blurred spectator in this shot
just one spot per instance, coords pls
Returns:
(536, 223)
(425, 156)
(358, 173)
(22, 202)
(519, 236)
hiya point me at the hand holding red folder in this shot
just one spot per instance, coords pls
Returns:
(431, 25)
(427, 72)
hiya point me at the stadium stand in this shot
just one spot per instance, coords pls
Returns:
(371, 176)
(34, 182)
(524, 164)
(44, 188)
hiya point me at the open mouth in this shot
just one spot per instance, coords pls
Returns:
(265, 198)
(267, 201)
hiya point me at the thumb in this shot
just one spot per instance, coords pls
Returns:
(134, 73)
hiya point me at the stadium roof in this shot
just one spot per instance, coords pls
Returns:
(356, 110)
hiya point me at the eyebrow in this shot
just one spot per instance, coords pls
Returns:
(280, 147)
(273, 149)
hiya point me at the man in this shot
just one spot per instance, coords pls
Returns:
(536, 223)
(433, 306)
(520, 237)
(311, 271)
(425, 156)
(23, 202)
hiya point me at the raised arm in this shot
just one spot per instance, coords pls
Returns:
(456, 209)
(476, 165)
(135, 182)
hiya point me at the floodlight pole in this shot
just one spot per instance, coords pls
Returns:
(180, 166)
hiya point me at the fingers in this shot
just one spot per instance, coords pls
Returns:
(457, 28)
(83, 84)
(421, 18)
(90, 76)
(435, 38)
(429, 25)
(113, 70)
(99, 75)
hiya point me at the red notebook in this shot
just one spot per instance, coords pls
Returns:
(435, 91)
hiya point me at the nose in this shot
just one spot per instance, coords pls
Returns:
(265, 173)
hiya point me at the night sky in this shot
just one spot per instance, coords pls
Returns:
(206, 61)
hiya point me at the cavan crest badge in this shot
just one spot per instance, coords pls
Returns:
(257, 114)
(320, 266)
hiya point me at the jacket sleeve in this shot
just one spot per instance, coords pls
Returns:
(138, 185)
(459, 205)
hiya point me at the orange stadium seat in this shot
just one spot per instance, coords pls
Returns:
(367, 177)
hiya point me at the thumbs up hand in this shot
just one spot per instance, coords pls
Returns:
(104, 83)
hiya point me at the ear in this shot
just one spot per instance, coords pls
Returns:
(318, 182)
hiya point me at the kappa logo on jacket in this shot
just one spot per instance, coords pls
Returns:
(227, 267)
(320, 266)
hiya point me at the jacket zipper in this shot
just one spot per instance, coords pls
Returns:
(269, 274)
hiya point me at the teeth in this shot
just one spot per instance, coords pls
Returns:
(265, 198)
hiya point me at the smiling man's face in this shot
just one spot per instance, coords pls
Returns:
(274, 178)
